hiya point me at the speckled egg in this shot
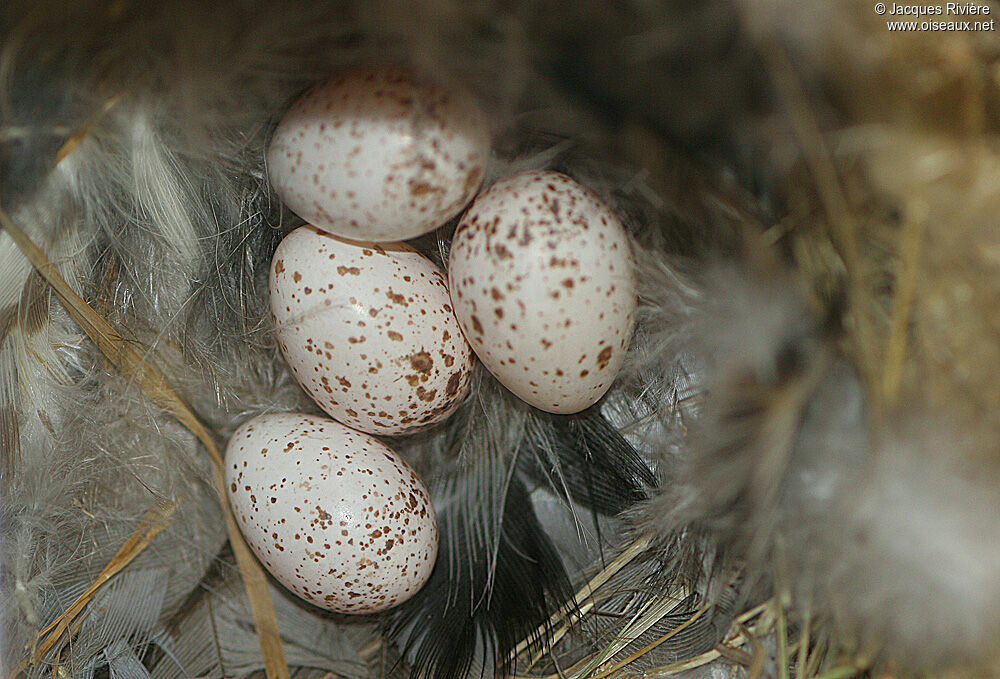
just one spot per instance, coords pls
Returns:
(333, 514)
(379, 154)
(542, 279)
(368, 330)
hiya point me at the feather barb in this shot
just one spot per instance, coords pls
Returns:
(155, 386)
(154, 522)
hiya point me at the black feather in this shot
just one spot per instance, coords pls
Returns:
(585, 460)
(464, 626)
(499, 576)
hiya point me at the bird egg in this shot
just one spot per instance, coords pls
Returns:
(369, 332)
(379, 153)
(542, 279)
(335, 515)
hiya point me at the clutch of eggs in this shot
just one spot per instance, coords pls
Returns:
(379, 153)
(332, 513)
(540, 271)
(542, 279)
(368, 331)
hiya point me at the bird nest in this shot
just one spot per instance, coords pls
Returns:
(794, 473)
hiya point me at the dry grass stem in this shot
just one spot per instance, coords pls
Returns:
(649, 647)
(802, 662)
(844, 228)
(782, 634)
(636, 628)
(907, 277)
(156, 387)
(736, 638)
(151, 525)
(74, 140)
(573, 610)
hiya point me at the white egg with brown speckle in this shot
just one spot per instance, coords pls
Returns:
(379, 153)
(332, 513)
(542, 279)
(368, 331)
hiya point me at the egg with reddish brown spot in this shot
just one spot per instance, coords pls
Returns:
(368, 331)
(542, 278)
(379, 153)
(333, 514)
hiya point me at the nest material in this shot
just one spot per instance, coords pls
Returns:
(813, 380)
